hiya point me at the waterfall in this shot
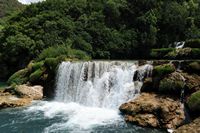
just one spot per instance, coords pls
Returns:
(104, 84)
(179, 44)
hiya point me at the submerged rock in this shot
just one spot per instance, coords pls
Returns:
(193, 127)
(34, 92)
(154, 110)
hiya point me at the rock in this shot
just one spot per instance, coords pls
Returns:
(162, 70)
(193, 67)
(9, 100)
(193, 127)
(34, 92)
(172, 84)
(154, 110)
(13, 101)
(194, 103)
(192, 82)
(148, 85)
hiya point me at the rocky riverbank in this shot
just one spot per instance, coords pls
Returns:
(164, 94)
(21, 95)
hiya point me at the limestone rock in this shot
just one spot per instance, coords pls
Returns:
(154, 110)
(8, 100)
(34, 92)
(193, 127)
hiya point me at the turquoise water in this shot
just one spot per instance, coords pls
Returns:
(54, 117)
(2, 84)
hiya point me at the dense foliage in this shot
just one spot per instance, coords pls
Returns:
(103, 29)
(8, 7)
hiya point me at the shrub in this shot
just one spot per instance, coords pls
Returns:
(193, 43)
(62, 50)
(20, 77)
(52, 63)
(36, 75)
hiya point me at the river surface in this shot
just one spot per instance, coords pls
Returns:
(57, 117)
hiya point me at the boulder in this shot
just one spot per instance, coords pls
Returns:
(193, 127)
(154, 110)
(172, 84)
(9, 100)
(193, 103)
(33, 92)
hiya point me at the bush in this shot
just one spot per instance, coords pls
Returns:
(193, 43)
(194, 102)
(19, 77)
(36, 75)
(52, 63)
(62, 50)
(161, 70)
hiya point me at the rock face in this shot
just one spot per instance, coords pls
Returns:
(8, 100)
(33, 92)
(193, 127)
(154, 110)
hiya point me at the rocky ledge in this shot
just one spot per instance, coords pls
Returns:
(21, 95)
(154, 110)
(193, 127)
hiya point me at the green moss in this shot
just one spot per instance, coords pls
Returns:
(194, 102)
(36, 75)
(20, 77)
(161, 70)
(193, 43)
(171, 86)
(194, 67)
(160, 53)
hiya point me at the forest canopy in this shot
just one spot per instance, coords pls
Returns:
(101, 29)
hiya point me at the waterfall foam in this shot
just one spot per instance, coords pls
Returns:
(99, 83)
(88, 95)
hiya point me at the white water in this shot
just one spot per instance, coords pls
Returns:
(179, 45)
(88, 94)
(29, 1)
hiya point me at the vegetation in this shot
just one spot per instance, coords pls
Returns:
(193, 43)
(97, 29)
(163, 70)
(20, 77)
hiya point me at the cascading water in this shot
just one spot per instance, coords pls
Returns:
(99, 83)
(87, 98)
(179, 44)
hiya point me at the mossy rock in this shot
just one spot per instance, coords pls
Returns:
(194, 67)
(160, 53)
(192, 43)
(148, 85)
(162, 70)
(37, 75)
(20, 77)
(171, 85)
(193, 102)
